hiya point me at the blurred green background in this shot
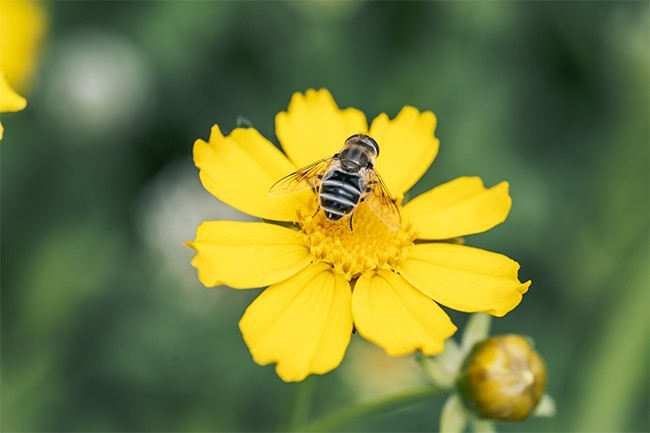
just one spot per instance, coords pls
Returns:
(105, 326)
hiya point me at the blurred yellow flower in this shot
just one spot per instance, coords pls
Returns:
(9, 100)
(325, 279)
(22, 25)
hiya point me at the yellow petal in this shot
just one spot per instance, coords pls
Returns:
(407, 147)
(2, 130)
(247, 255)
(464, 278)
(394, 315)
(314, 127)
(9, 99)
(22, 27)
(458, 208)
(239, 170)
(304, 323)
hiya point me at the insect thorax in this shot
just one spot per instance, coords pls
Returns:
(355, 157)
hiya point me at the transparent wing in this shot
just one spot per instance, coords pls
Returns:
(306, 178)
(380, 201)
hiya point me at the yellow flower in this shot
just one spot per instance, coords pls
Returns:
(326, 280)
(22, 24)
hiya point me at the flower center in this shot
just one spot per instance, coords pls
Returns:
(368, 246)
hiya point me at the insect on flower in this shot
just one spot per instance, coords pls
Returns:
(343, 181)
(387, 277)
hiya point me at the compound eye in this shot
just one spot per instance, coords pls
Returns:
(364, 140)
(373, 143)
(353, 138)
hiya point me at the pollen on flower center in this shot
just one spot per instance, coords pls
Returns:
(368, 246)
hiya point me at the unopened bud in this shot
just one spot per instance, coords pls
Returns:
(502, 378)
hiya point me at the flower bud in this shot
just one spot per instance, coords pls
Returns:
(502, 378)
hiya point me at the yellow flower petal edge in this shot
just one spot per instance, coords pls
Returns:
(239, 170)
(464, 278)
(303, 324)
(407, 147)
(10, 101)
(458, 208)
(246, 255)
(394, 315)
(314, 127)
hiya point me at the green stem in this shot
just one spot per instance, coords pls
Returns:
(345, 415)
(302, 401)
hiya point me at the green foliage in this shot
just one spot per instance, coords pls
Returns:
(102, 330)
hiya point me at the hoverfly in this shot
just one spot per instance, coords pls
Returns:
(343, 181)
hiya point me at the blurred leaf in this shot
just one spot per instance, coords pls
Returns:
(483, 426)
(453, 418)
(545, 407)
(476, 329)
(620, 352)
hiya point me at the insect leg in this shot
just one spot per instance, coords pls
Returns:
(370, 186)
(315, 188)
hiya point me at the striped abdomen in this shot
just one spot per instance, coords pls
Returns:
(340, 193)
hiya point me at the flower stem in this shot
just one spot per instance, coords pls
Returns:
(343, 416)
(301, 403)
